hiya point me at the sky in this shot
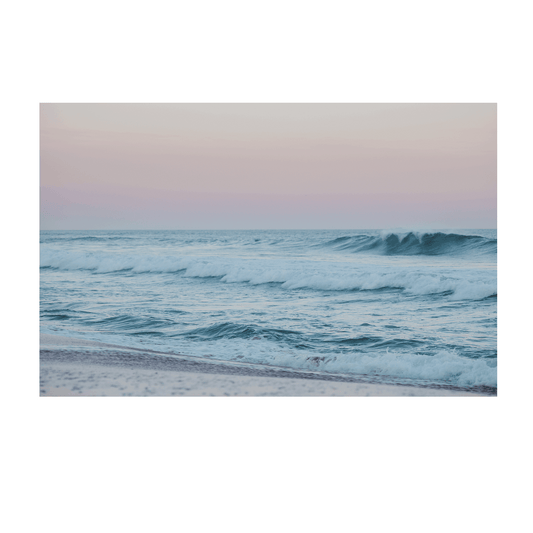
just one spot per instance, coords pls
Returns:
(267, 166)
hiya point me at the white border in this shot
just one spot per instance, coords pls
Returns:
(30, 96)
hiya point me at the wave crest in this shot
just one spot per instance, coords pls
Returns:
(291, 276)
(414, 243)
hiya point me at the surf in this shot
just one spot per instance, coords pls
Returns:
(413, 243)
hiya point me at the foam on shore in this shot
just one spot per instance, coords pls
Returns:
(77, 376)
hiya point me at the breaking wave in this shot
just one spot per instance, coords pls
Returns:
(390, 359)
(414, 243)
(288, 275)
(443, 366)
(395, 360)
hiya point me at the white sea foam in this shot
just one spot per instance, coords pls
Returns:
(324, 276)
(445, 366)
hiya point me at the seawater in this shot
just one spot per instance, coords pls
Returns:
(408, 307)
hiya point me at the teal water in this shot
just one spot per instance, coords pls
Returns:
(404, 307)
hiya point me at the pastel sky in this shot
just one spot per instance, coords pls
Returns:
(268, 166)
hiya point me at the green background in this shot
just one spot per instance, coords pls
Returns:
(260, 474)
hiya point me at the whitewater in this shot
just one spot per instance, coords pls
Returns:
(415, 308)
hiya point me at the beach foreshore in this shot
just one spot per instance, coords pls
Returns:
(79, 367)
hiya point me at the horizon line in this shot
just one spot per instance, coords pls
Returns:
(273, 229)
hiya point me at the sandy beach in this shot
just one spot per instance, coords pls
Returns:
(78, 367)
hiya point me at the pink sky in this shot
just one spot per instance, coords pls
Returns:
(260, 166)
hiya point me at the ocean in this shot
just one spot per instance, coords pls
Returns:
(394, 307)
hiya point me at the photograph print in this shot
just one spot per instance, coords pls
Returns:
(268, 249)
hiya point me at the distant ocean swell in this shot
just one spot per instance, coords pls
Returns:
(386, 242)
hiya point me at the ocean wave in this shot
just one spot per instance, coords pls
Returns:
(445, 366)
(126, 322)
(289, 275)
(228, 330)
(85, 238)
(411, 282)
(414, 243)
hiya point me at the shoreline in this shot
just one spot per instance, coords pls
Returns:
(78, 367)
